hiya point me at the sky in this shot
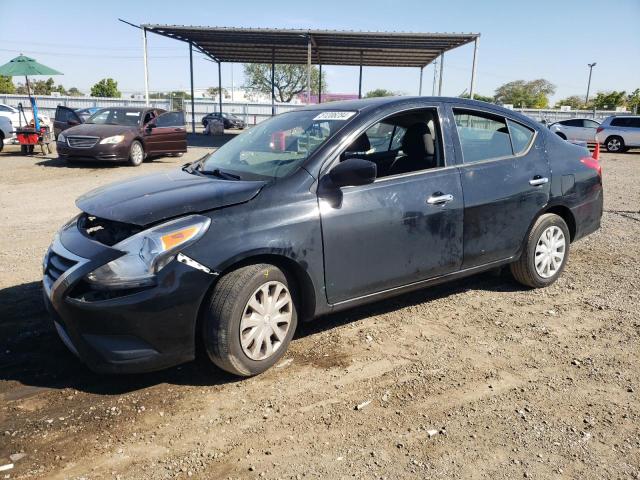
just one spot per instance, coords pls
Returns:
(519, 40)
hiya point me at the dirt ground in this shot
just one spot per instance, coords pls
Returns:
(479, 378)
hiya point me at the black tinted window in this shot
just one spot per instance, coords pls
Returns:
(171, 119)
(573, 123)
(482, 136)
(620, 122)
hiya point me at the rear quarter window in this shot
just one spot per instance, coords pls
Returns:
(521, 137)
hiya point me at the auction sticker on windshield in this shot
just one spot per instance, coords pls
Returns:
(334, 115)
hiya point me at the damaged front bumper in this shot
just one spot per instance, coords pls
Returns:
(125, 331)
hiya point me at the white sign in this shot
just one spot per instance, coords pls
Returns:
(334, 115)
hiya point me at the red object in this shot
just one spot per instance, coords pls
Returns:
(596, 152)
(592, 163)
(599, 129)
(27, 138)
(278, 141)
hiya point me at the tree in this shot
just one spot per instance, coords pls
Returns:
(633, 100)
(107, 87)
(6, 85)
(379, 92)
(74, 92)
(574, 101)
(213, 92)
(523, 94)
(481, 98)
(609, 100)
(289, 80)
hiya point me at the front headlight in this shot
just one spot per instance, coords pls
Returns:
(111, 140)
(62, 138)
(147, 252)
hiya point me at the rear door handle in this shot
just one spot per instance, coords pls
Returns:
(538, 180)
(439, 198)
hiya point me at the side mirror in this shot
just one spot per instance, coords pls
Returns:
(352, 172)
(150, 126)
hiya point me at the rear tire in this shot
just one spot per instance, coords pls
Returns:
(136, 153)
(614, 144)
(250, 319)
(545, 253)
(1, 141)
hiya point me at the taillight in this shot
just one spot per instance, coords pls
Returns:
(599, 129)
(592, 163)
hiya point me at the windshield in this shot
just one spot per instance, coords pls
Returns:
(116, 116)
(278, 146)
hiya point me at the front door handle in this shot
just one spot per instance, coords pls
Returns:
(439, 198)
(538, 180)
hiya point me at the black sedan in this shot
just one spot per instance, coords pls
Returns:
(311, 212)
(230, 121)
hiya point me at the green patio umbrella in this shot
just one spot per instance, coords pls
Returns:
(23, 65)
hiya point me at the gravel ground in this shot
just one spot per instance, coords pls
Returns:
(478, 378)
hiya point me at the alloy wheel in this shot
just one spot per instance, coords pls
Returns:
(266, 320)
(550, 251)
(613, 145)
(137, 153)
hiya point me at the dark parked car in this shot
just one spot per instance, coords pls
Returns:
(230, 121)
(122, 134)
(312, 212)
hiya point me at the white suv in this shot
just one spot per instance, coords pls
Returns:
(6, 130)
(619, 133)
(576, 129)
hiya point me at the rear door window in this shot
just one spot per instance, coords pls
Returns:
(591, 124)
(482, 136)
(619, 122)
(573, 123)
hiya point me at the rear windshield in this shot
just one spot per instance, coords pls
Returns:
(116, 116)
(278, 146)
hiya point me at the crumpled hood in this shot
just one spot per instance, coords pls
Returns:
(151, 198)
(96, 130)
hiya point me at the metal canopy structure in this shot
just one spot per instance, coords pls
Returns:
(313, 47)
(328, 47)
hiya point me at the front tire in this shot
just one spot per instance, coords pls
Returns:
(545, 253)
(136, 153)
(614, 144)
(250, 319)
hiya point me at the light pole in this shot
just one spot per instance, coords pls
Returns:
(590, 65)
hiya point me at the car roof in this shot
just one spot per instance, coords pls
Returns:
(364, 104)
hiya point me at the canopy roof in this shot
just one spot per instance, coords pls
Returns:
(22, 65)
(329, 47)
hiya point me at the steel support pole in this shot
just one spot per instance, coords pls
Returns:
(473, 68)
(193, 112)
(441, 70)
(435, 75)
(590, 65)
(308, 70)
(220, 86)
(360, 79)
(273, 81)
(420, 86)
(146, 65)
(320, 83)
